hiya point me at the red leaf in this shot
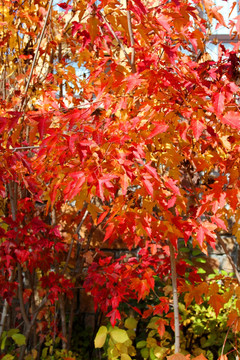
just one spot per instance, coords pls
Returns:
(197, 128)
(164, 23)
(218, 103)
(171, 202)
(148, 186)
(114, 315)
(200, 235)
(102, 217)
(161, 326)
(132, 82)
(170, 183)
(160, 128)
(219, 222)
(140, 6)
(152, 171)
(109, 231)
(232, 118)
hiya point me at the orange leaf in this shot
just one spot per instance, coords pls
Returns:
(177, 356)
(200, 357)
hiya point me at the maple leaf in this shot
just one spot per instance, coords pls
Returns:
(231, 118)
(149, 187)
(217, 301)
(132, 82)
(109, 231)
(219, 222)
(197, 127)
(159, 129)
(140, 6)
(200, 235)
(170, 183)
(161, 327)
(200, 357)
(218, 102)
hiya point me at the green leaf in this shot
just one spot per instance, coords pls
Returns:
(8, 357)
(196, 252)
(201, 260)
(130, 323)
(141, 344)
(11, 332)
(3, 343)
(145, 353)
(189, 262)
(19, 339)
(201, 271)
(119, 335)
(100, 337)
(184, 249)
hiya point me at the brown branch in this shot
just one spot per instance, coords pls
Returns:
(130, 30)
(24, 102)
(118, 40)
(235, 270)
(72, 242)
(63, 320)
(13, 201)
(20, 294)
(24, 148)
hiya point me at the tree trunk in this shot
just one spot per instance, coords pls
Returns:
(175, 298)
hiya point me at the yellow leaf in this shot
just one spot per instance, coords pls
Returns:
(130, 323)
(125, 357)
(119, 335)
(100, 337)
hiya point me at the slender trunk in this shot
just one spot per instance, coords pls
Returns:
(63, 321)
(71, 318)
(4, 316)
(175, 298)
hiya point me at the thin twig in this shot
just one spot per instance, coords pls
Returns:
(24, 148)
(225, 340)
(24, 102)
(117, 39)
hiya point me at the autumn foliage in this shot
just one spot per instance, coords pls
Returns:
(114, 119)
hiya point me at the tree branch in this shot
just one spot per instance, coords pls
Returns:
(235, 270)
(72, 242)
(118, 40)
(131, 39)
(24, 102)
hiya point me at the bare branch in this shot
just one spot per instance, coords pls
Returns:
(130, 30)
(25, 148)
(24, 103)
(72, 242)
(20, 292)
(118, 40)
